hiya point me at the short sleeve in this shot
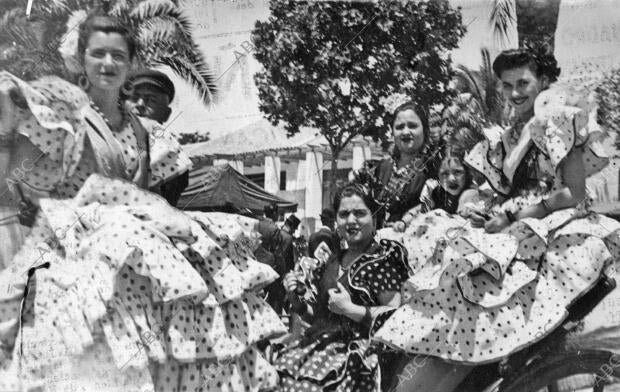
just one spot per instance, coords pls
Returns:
(51, 121)
(168, 160)
(385, 273)
(568, 127)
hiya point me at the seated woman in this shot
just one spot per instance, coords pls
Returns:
(354, 291)
(481, 294)
(412, 162)
(453, 179)
(114, 289)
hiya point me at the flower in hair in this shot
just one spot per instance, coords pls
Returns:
(392, 102)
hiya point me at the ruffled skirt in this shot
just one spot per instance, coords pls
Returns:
(131, 294)
(335, 360)
(477, 297)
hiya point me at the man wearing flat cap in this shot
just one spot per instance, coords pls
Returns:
(152, 93)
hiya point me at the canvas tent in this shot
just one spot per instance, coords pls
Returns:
(219, 187)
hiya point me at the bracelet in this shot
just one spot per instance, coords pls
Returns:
(545, 205)
(511, 217)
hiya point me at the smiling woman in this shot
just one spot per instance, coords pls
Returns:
(137, 274)
(412, 162)
(356, 289)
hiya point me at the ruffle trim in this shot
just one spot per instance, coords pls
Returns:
(249, 372)
(54, 110)
(168, 160)
(85, 299)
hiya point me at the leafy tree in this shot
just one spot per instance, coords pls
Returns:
(479, 102)
(608, 94)
(328, 65)
(29, 45)
(192, 137)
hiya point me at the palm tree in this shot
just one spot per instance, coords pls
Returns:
(478, 102)
(29, 44)
(536, 20)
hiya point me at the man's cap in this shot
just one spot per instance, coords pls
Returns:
(153, 78)
(328, 213)
(292, 221)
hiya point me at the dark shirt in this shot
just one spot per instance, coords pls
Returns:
(172, 189)
(279, 255)
(408, 198)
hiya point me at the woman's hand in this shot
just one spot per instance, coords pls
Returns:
(339, 300)
(292, 282)
(399, 226)
(478, 219)
(497, 224)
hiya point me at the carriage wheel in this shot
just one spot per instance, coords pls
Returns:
(583, 370)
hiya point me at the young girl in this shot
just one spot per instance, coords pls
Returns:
(454, 179)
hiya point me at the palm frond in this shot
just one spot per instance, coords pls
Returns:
(153, 9)
(493, 100)
(502, 18)
(471, 81)
(197, 74)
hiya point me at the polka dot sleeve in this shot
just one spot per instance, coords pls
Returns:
(168, 160)
(50, 121)
(387, 272)
(567, 127)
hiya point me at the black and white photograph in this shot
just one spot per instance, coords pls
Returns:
(309, 195)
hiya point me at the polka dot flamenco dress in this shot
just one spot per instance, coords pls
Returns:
(477, 297)
(129, 294)
(335, 353)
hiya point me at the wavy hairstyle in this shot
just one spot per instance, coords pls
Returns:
(539, 60)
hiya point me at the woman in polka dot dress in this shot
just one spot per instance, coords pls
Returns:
(487, 288)
(354, 291)
(114, 289)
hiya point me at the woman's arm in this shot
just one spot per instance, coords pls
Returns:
(573, 174)
(366, 314)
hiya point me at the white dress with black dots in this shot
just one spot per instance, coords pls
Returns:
(477, 297)
(131, 294)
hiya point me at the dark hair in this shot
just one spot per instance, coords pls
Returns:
(462, 140)
(420, 112)
(105, 24)
(357, 189)
(540, 61)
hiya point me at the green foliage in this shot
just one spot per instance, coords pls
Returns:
(608, 93)
(480, 102)
(328, 64)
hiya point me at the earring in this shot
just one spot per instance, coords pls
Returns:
(83, 82)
